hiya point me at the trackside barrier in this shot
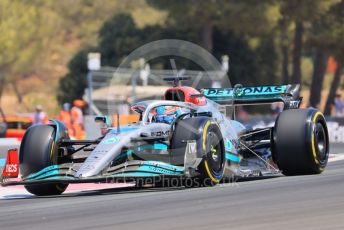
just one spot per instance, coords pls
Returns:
(125, 119)
(336, 132)
(93, 130)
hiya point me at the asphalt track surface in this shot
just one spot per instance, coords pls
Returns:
(303, 202)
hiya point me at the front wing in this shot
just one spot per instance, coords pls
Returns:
(129, 171)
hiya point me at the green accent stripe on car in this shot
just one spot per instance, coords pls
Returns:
(124, 154)
(164, 165)
(157, 146)
(124, 129)
(158, 170)
(161, 168)
(232, 157)
(48, 169)
(49, 174)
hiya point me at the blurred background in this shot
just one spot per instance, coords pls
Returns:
(45, 47)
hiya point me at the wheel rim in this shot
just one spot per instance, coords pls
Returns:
(321, 142)
(214, 153)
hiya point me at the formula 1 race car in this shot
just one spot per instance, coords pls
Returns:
(187, 136)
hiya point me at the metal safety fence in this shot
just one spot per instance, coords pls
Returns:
(128, 85)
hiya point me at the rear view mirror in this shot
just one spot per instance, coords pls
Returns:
(103, 122)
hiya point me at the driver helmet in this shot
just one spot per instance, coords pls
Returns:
(166, 116)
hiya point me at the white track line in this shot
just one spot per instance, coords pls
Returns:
(336, 157)
(17, 192)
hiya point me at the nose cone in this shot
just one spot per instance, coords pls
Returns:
(107, 150)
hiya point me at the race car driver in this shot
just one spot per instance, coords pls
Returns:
(166, 115)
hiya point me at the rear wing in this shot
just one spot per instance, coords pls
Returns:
(239, 95)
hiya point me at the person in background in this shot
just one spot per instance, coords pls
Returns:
(40, 117)
(338, 105)
(65, 117)
(77, 119)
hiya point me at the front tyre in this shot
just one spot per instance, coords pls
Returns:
(38, 151)
(210, 148)
(213, 165)
(301, 142)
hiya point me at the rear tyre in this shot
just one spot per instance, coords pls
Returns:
(38, 151)
(301, 142)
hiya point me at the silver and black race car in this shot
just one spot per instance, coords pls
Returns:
(188, 137)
